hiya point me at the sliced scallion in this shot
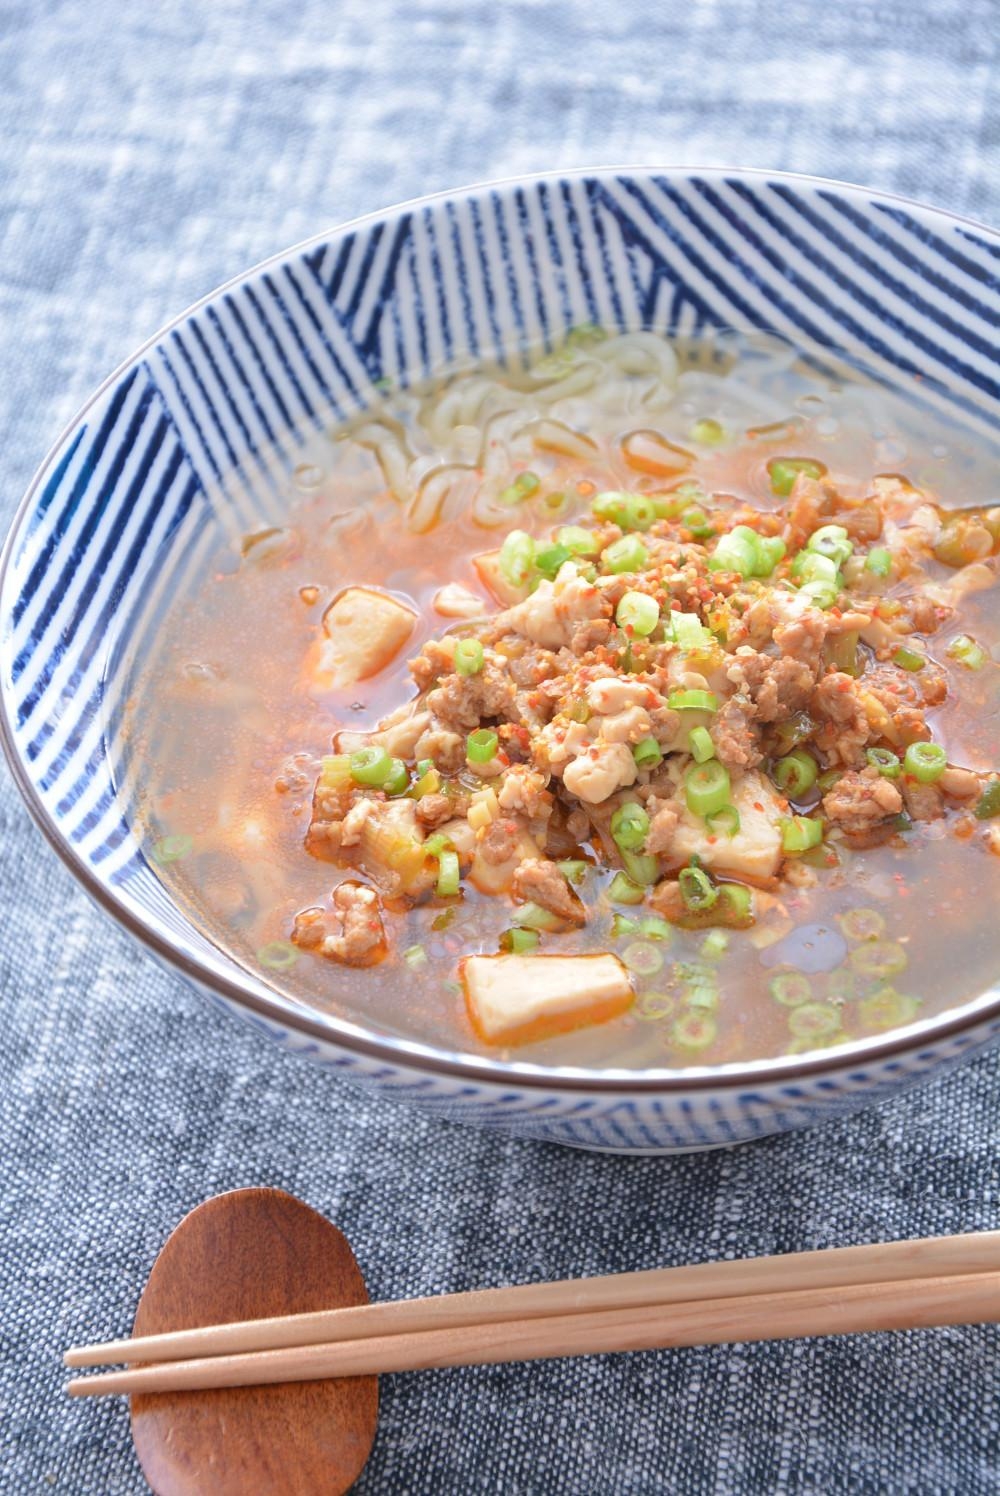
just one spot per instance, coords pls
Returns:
(707, 788)
(481, 746)
(925, 761)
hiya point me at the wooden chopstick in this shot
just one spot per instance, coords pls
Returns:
(844, 1267)
(913, 1303)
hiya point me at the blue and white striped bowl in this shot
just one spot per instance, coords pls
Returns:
(193, 440)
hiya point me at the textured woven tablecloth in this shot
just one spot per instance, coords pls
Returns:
(147, 152)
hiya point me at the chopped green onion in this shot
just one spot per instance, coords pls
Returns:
(736, 904)
(796, 773)
(468, 657)
(701, 745)
(967, 652)
(653, 927)
(814, 1021)
(697, 889)
(532, 916)
(925, 761)
(734, 552)
(887, 1009)
(770, 550)
(783, 472)
(640, 867)
(550, 558)
(630, 826)
(173, 848)
(791, 989)
(517, 558)
(647, 753)
(705, 999)
(885, 761)
(577, 540)
(828, 779)
(481, 746)
(715, 945)
(573, 869)
(630, 511)
(809, 566)
(654, 1005)
(642, 958)
(879, 958)
(879, 561)
(862, 924)
(523, 486)
(695, 1030)
(278, 955)
(799, 833)
(693, 701)
(626, 554)
(622, 925)
(621, 890)
(706, 788)
(638, 612)
(448, 874)
(831, 541)
(909, 659)
(688, 631)
(822, 594)
(415, 957)
(424, 766)
(427, 784)
(520, 941)
(708, 433)
(988, 804)
(697, 522)
(726, 819)
(397, 781)
(436, 844)
(371, 766)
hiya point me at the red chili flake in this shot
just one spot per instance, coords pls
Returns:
(757, 806)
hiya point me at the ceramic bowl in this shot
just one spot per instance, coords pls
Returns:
(200, 430)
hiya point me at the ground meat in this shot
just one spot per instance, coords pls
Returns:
(861, 801)
(778, 688)
(921, 612)
(924, 802)
(591, 635)
(897, 690)
(933, 686)
(541, 882)
(433, 661)
(802, 636)
(461, 702)
(323, 840)
(352, 934)
(663, 819)
(434, 810)
(845, 728)
(533, 666)
(733, 734)
(499, 841)
(578, 824)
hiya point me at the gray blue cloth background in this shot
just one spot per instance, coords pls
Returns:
(148, 152)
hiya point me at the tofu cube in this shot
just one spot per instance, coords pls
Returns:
(755, 851)
(365, 630)
(515, 999)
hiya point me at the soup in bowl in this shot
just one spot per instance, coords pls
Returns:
(566, 710)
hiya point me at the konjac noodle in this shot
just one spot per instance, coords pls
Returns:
(634, 709)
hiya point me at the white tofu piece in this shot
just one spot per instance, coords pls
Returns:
(365, 629)
(488, 567)
(755, 851)
(455, 601)
(513, 999)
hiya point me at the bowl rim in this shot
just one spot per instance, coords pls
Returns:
(396, 1050)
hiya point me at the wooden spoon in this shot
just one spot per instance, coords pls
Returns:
(247, 1255)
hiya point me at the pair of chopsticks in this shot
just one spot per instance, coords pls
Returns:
(951, 1280)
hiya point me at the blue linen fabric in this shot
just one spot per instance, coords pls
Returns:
(147, 152)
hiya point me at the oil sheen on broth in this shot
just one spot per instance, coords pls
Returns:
(875, 911)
